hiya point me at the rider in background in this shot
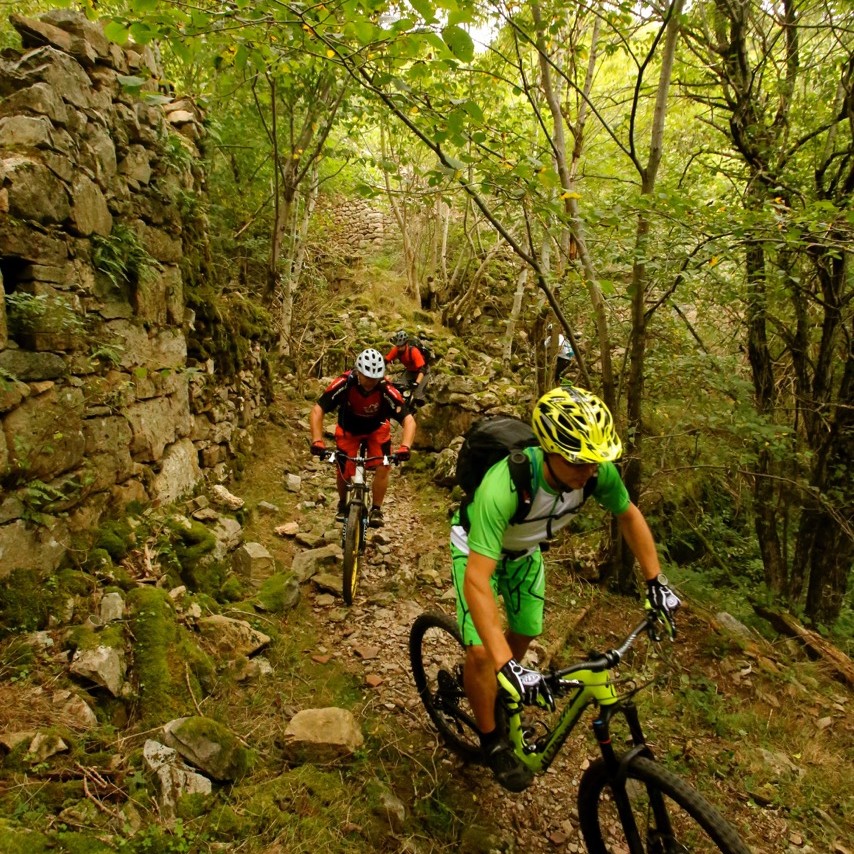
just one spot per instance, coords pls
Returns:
(365, 401)
(564, 354)
(577, 443)
(410, 356)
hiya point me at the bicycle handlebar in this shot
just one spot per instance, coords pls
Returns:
(334, 456)
(611, 658)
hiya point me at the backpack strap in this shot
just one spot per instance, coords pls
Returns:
(520, 474)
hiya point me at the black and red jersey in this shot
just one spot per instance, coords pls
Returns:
(361, 412)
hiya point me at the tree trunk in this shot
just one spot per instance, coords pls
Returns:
(841, 665)
(514, 313)
(623, 564)
(293, 273)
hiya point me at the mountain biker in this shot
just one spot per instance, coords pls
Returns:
(365, 401)
(564, 353)
(410, 355)
(577, 442)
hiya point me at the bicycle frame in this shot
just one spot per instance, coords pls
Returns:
(591, 683)
(357, 485)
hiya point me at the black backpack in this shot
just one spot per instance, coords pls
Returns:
(486, 442)
(424, 347)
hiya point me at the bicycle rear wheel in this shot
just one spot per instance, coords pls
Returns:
(436, 653)
(353, 533)
(667, 815)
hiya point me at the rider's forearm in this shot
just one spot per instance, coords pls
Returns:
(477, 591)
(637, 534)
(315, 421)
(409, 427)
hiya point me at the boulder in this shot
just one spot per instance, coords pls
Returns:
(229, 637)
(322, 735)
(208, 745)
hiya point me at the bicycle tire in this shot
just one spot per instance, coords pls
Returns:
(695, 825)
(436, 655)
(352, 550)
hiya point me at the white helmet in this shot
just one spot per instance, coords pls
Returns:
(399, 338)
(371, 363)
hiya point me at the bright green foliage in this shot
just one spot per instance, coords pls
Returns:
(122, 258)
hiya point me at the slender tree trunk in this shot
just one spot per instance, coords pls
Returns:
(292, 276)
(633, 444)
(576, 224)
(514, 313)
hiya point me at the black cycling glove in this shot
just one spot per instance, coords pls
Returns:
(524, 685)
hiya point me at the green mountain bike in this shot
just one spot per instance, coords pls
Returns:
(627, 802)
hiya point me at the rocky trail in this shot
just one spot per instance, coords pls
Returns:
(407, 572)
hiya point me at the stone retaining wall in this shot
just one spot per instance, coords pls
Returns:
(356, 226)
(99, 403)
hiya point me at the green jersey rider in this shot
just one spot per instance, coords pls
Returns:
(577, 442)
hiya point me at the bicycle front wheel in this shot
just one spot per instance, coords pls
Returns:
(436, 653)
(664, 814)
(352, 550)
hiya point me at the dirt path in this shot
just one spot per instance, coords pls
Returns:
(407, 572)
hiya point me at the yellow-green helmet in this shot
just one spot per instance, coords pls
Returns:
(577, 425)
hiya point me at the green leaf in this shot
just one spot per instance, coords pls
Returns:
(364, 31)
(459, 42)
(130, 83)
(473, 110)
(142, 33)
(453, 163)
(365, 191)
(143, 5)
(425, 9)
(116, 32)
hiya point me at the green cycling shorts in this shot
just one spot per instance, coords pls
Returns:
(521, 584)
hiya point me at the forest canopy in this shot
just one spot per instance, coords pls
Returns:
(670, 182)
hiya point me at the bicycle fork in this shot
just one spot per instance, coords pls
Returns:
(618, 769)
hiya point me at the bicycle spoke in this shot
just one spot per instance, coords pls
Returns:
(352, 550)
(663, 815)
(436, 654)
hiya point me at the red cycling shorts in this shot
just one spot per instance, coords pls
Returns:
(379, 443)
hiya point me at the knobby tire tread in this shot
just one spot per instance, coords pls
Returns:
(352, 550)
(650, 773)
(468, 749)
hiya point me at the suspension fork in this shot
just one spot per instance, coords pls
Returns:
(617, 767)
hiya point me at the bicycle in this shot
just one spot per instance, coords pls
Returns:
(626, 802)
(407, 388)
(355, 528)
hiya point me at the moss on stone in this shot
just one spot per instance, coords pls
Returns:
(155, 631)
(116, 538)
(193, 542)
(26, 601)
(19, 840)
(82, 843)
(277, 593)
(166, 658)
(88, 637)
(201, 667)
(233, 761)
(304, 803)
(225, 823)
(231, 589)
(76, 582)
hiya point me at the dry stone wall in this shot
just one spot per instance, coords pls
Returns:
(99, 403)
(355, 225)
